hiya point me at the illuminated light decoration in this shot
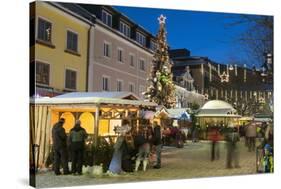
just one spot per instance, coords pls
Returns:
(269, 58)
(262, 100)
(162, 19)
(235, 69)
(224, 77)
(231, 67)
(206, 96)
(245, 73)
(219, 71)
(227, 70)
(210, 72)
(263, 74)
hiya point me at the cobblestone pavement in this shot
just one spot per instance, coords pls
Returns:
(192, 161)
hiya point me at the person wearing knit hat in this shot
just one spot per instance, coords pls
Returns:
(77, 139)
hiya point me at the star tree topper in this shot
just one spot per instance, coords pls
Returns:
(162, 19)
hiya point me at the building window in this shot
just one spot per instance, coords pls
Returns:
(44, 31)
(105, 83)
(142, 65)
(119, 85)
(140, 38)
(120, 55)
(132, 63)
(153, 45)
(106, 49)
(142, 89)
(125, 29)
(70, 79)
(72, 41)
(106, 18)
(42, 73)
(131, 87)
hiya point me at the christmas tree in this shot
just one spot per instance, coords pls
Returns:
(161, 89)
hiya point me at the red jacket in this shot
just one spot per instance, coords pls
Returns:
(214, 135)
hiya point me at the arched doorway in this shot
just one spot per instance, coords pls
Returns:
(69, 121)
(87, 122)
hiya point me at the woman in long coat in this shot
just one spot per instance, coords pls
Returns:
(115, 166)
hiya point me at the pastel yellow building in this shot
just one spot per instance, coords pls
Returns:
(60, 50)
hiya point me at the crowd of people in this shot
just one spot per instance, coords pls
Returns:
(132, 148)
(252, 132)
(145, 143)
(139, 148)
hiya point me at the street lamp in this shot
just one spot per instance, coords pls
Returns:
(268, 57)
(263, 74)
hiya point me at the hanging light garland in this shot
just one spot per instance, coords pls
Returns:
(224, 77)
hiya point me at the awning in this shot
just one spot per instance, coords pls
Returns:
(179, 114)
(262, 119)
(246, 119)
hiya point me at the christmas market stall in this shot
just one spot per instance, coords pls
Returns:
(216, 113)
(245, 120)
(100, 114)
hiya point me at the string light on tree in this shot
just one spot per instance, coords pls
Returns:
(161, 89)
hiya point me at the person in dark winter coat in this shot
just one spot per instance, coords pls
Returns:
(251, 134)
(60, 148)
(77, 139)
(232, 138)
(158, 144)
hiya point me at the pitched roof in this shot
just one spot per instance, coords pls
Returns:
(104, 94)
(94, 98)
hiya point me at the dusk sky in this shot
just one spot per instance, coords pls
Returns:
(203, 33)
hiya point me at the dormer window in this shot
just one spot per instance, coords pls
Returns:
(125, 29)
(153, 45)
(106, 18)
(140, 38)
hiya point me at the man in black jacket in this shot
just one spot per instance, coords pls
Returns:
(60, 148)
(158, 144)
(77, 139)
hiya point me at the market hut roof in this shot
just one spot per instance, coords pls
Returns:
(103, 94)
(93, 98)
(217, 108)
(178, 113)
(217, 104)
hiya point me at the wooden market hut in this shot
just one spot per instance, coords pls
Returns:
(99, 113)
(165, 117)
(181, 116)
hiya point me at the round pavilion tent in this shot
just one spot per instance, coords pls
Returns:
(217, 112)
